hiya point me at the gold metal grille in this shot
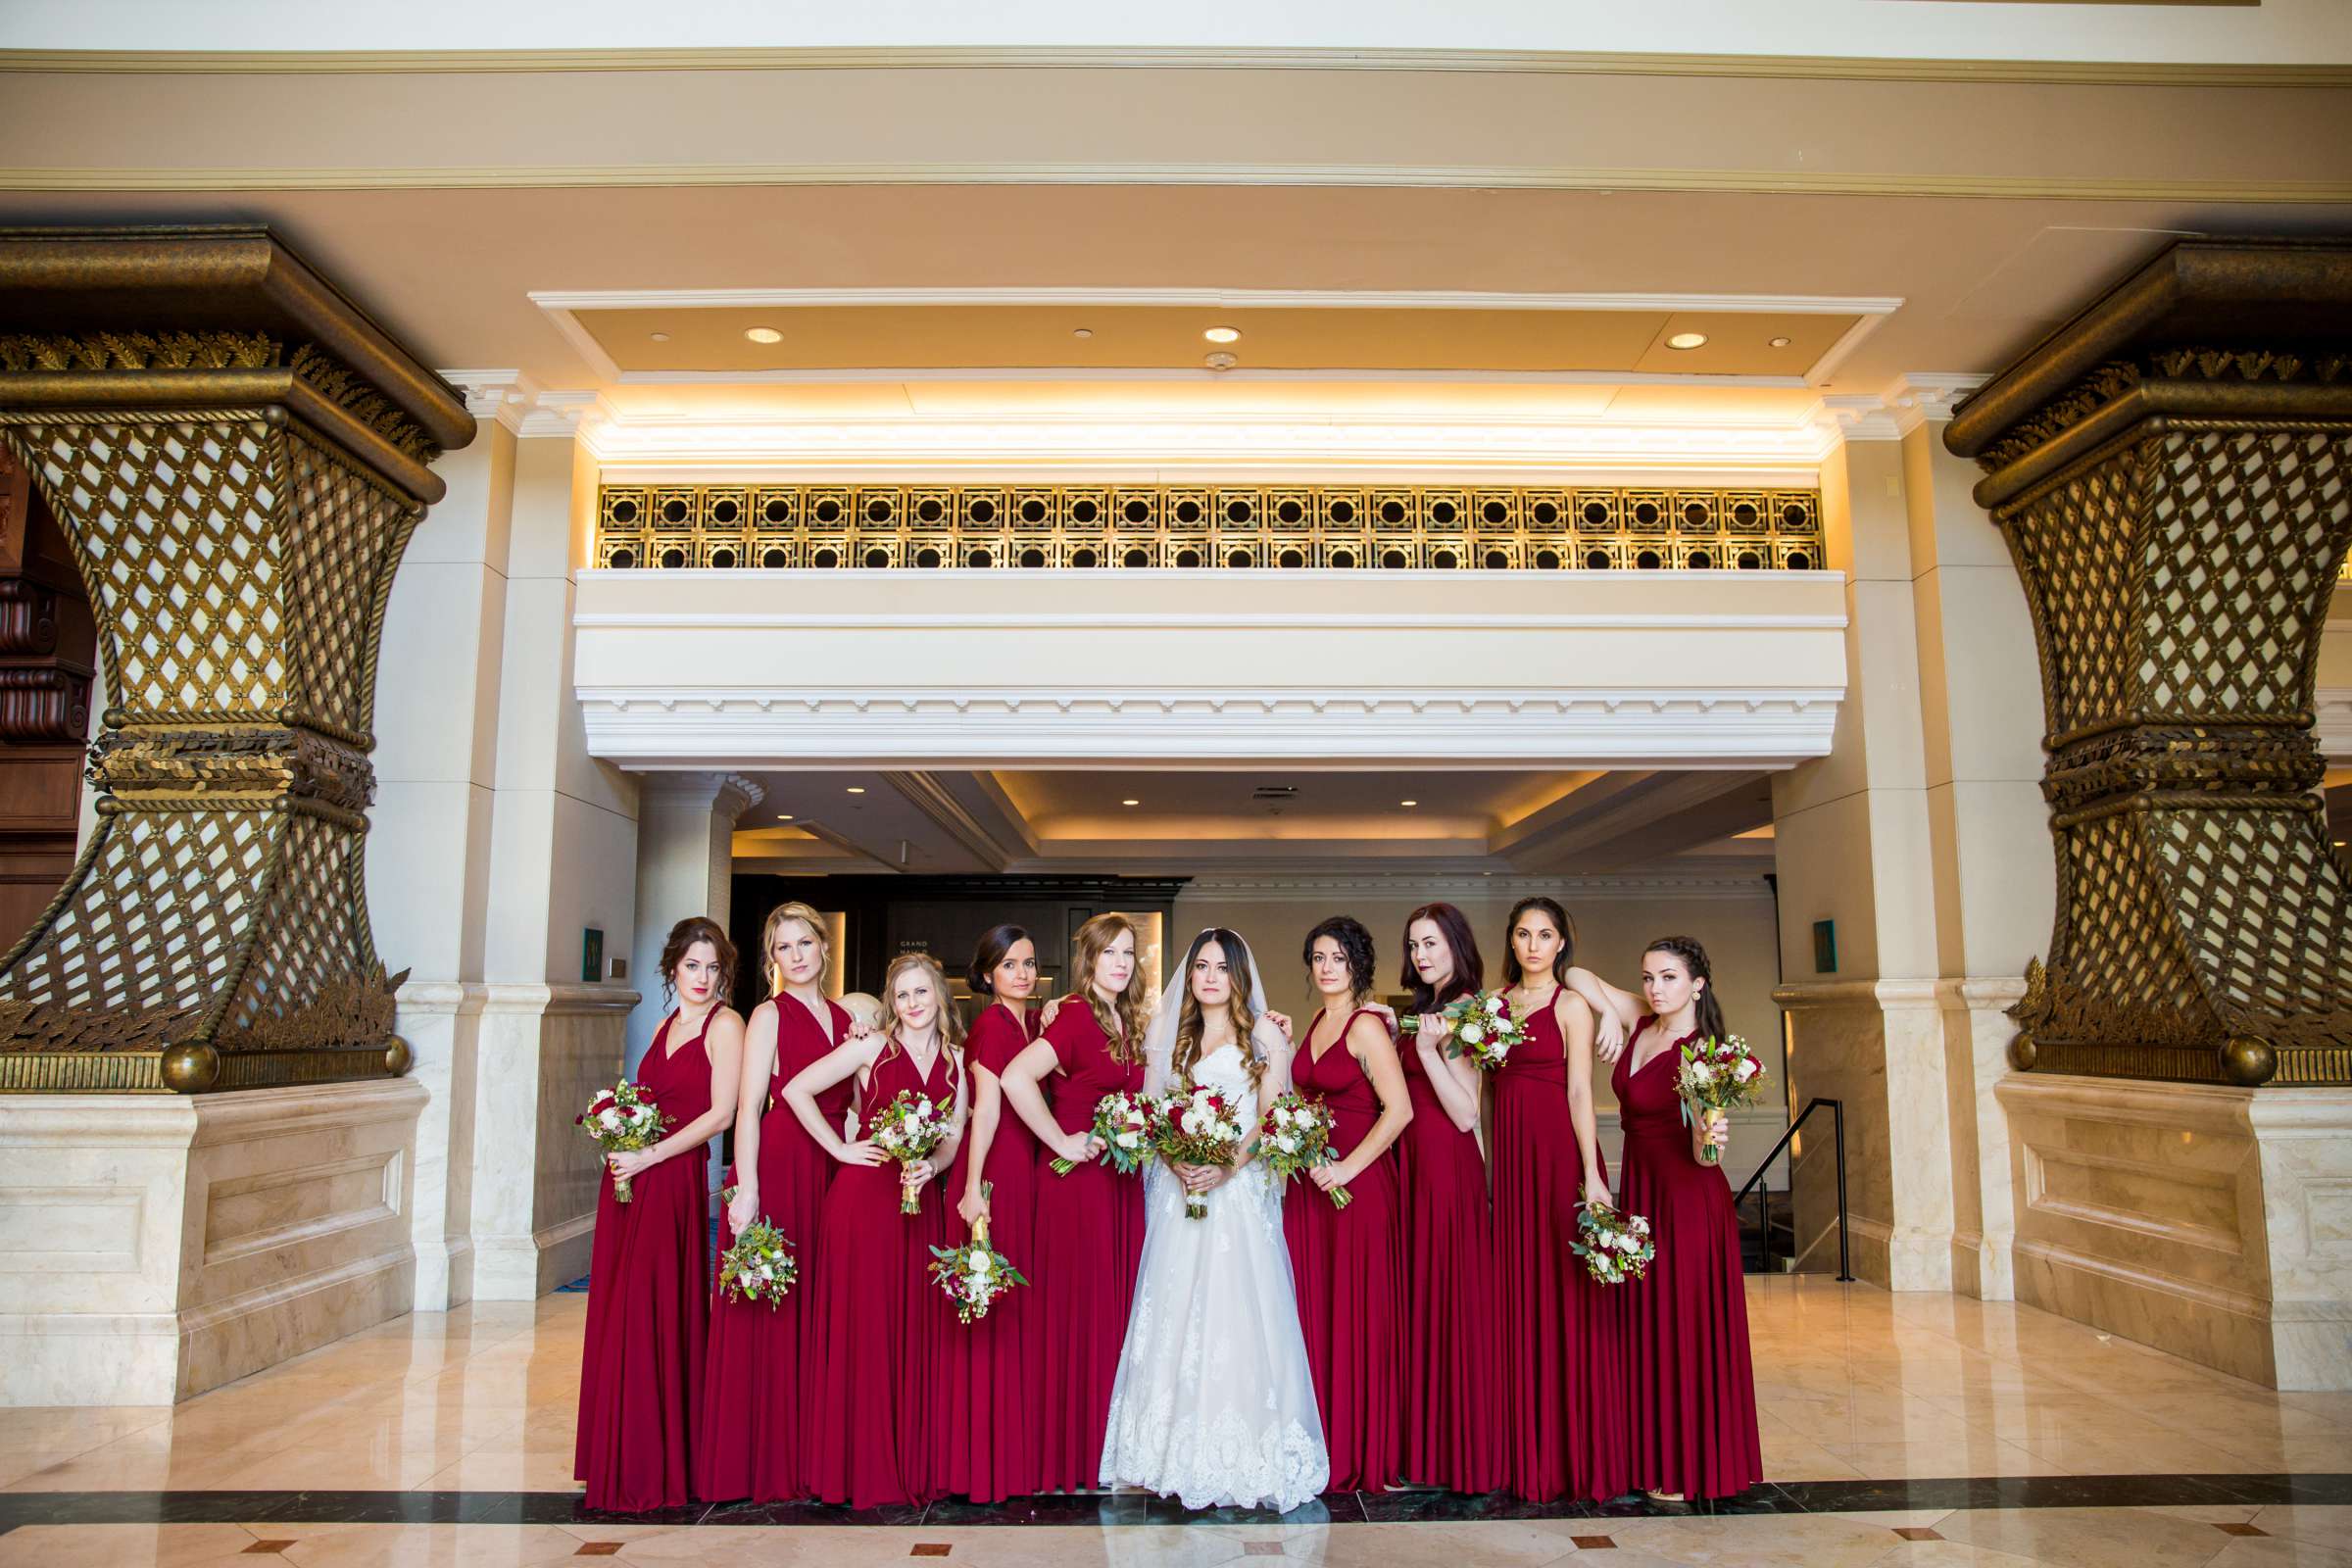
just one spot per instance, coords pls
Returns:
(2178, 579)
(672, 527)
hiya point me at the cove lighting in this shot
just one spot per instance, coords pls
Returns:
(1686, 340)
(763, 334)
(1223, 334)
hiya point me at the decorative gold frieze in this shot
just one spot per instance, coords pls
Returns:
(1139, 528)
(237, 497)
(2179, 513)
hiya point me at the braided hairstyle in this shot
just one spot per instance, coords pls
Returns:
(1707, 1013)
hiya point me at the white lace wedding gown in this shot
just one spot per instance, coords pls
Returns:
(1214, 1404)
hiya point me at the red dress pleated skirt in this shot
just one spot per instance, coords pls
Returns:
(757, 1379)
(1451, 1411)
(880, 1319)
(1090, 1242)
(1690, 1382)
(1348, 1275)
(989, 1441)
(641, 1363)
(1562, 1373)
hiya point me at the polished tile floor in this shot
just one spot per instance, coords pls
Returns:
(1898, 1430)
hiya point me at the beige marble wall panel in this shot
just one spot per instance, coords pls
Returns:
(1977, 1033)
(442, 1022)
(2140, 1211)
(1838, 1051)
(2305, 1137)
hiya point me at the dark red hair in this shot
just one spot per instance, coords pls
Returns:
(1469, 969)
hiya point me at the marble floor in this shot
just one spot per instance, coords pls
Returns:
(1898, 1430)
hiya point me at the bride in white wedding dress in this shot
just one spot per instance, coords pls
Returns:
(1215, 1403)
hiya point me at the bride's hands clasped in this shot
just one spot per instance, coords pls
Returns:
(1203, 1178)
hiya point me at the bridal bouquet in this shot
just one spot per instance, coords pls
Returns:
(760, 1267)
(974, 1274)
(1123, 1121)
(1479, 1026)
(1716, 1075)
(1615, 1247)
(623, 1118)
(1198, 1126)
(907, 1129)
(1295, 1137)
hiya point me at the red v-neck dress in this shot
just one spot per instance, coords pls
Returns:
(757, 1374)
(641, 1365)
(1349, 1277)
(880, 1317)
(1690, 1384)
(1563, 1368)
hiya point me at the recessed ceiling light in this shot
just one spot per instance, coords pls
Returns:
(1778, 342)
(1131, 802)
(1686, 340)
(1223, 334)
(857, 789)
(783, 816)
(659, 337)
(1082, 332)
(763, 334)
(1408, 803)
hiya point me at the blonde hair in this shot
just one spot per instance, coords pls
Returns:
(950, 1024)
(795, 910)
(1190, 1022)
(1121, 1019)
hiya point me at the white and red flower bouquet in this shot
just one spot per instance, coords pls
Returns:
(1293, 1136)
(1479, 1026)
(1716, 1075)
(1124, 1123)
(621, 1119)
(1198, 1126)
(907, 1129)
(1616, 1248)
(975, 1274)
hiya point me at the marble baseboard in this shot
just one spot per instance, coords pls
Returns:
(523, 1268)
(199, 1238)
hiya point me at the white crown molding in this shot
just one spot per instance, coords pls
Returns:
(736, 727)
(1205, 620)
(503, 395)
(1279, 887)
(567, 416)
(1926, 397)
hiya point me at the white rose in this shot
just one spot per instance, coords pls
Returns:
(1744, 1071)
(1288, 1145)
(1126, 1140)
(1495, 1006)
(981, 1265)
(1472, 1034)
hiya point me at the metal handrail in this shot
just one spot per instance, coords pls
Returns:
(1845, 1272)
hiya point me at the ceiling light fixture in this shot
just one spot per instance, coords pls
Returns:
(1686, 340)
(1082, 332)
(1408, 803)
(1223, 334)
(763, 334)
(1220, 361)
(659, 337)
(783, 816)
(1131, 802)
(1778, 342)
(857, 789)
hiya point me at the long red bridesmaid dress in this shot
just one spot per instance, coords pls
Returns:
(1563, 1367)
(755, 1379)
(880, 1318)
(989, 1443)
(1349, 1277)
(1090, 1242)
(641, 1365)
(1451, 1415)
(1689, 1383)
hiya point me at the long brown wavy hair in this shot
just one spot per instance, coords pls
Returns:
(1190, 1022)
(1123, 1019)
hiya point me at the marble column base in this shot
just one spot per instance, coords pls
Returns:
(153, 1247)
(2214, 1223)
(545, 1051)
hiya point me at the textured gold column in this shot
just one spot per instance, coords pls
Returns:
(2171, 472)
(237, 456)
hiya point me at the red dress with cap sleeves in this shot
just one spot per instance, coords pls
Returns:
(1691, 1385)
(1562, 1369)
(641, 1364)
(1090, 1242)
(991, 1447)
(871, 1428)
(1451, 1414)
(1349, 1276)
(758, 1372)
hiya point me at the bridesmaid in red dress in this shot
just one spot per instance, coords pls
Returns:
(641, 1365)
(1691, 1381)
(881, 1320)
(1563, 1370)
(758, 1375)
(1090, 1223)
(1453, 1409)
(1345, 1261)
(991, 1435)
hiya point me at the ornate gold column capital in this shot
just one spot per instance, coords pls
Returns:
(237, 456)
(2173, 470)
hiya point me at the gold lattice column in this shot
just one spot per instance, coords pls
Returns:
(238, 455)
(2171, 472)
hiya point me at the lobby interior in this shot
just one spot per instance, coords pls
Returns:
(1235, 468)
